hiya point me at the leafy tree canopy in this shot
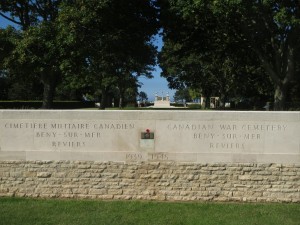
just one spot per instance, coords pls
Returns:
(84, 44)
(231, 46)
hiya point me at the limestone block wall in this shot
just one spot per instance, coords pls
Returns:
(170, 181)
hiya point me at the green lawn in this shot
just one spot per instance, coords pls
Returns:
(22, 211)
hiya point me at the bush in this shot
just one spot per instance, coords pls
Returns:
(194, 106)
(177, 104)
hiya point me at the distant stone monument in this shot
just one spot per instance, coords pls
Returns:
(161, 101)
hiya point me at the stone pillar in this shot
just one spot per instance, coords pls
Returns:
(156, 96)
(168, 97)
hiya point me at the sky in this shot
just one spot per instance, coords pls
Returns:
(157, 84)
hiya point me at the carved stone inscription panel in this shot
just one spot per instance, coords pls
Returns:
(64, 135)
(229, 136)
(176, 136)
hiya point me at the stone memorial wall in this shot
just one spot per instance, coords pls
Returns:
(206, 137)
(165, 155)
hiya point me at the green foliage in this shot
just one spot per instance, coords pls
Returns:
(182, 95)
(194, 106)
(114, 41)
(36, 53)
(272, 29)
(92, 47)
(38, 104)
(27, 13)
(231, 48)
(143, 96)
(3, 88)
(17, 80)
(194, 93)
(202, 56)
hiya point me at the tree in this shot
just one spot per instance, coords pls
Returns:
(20, 81)
(194, 94)
(114, 38)
(94, 44)
(37, 57)
(230, 41)
(37, 52)
(272, 29)
(6, 46)
(201, 51)
(182, 95)
(3, 86)
(143, 96)
(27, 13)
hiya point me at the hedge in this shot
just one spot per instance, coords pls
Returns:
(38, 104)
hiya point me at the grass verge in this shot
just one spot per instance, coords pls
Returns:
(17, 211)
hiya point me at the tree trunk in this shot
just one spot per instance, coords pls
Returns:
(280, 97)
(121, 102)
(281, 82)
(49, 82)
(207, 102)
(223, 97)
(121, 93)
(103, 99)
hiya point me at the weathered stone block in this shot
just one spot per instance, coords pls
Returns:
(115, 191)
(44, 174)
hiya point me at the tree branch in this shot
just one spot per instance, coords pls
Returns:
(37, 6)
(10, 19)
(268, 67)
(290, 71)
